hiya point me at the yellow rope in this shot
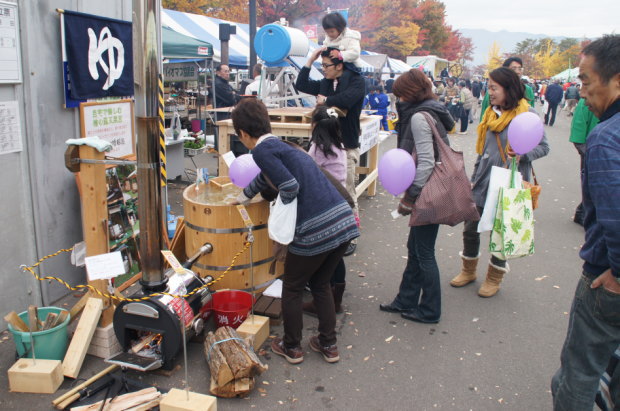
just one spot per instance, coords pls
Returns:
(106, 295)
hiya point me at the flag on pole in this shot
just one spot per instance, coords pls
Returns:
(99, 55)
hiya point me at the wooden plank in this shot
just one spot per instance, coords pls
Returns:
(78, 307)
(275, 309)
(95, 216)
(129, 283)
(16, 322)
(81, 339)
(33, 319)
(261, 305)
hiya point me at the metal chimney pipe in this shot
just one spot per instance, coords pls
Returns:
(147, 69)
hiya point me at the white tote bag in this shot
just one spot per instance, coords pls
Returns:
(500, 177)
(282, 221)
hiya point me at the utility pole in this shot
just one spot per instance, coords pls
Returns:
(252, 34)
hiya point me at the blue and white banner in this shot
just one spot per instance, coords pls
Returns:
(97, 53)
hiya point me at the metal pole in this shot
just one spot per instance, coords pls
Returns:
(147, 39)
(252, 34)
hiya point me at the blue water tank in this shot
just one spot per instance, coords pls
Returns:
(274, 43)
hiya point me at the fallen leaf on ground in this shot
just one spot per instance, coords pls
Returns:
(389, 339)
(541, 278)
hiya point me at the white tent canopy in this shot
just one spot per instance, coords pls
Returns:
(568, 74)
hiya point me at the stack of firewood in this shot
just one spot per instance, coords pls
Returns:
(232, 362)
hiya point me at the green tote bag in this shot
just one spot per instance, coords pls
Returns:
(513, 227)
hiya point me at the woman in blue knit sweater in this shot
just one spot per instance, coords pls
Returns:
(325, 226)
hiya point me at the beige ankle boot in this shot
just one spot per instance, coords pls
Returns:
(468, 271)
(490, 287)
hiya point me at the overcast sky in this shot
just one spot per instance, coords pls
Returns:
(571, 18)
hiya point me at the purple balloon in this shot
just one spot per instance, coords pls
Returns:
(396, 170)
(243, 170)
(525, 132)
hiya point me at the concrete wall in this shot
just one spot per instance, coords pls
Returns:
(38, 195)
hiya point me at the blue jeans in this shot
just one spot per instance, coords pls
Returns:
(593, 335)
(421, 275)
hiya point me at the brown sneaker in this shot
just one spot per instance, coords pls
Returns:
(330, 352)
(292, 355)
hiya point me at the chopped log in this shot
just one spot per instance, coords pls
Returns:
(145, 340)
(232, 362)
(240, 356)
(220, 371)
(236, 388)
(16, 322)
(33, 319)
(61, 318)
(50, 320)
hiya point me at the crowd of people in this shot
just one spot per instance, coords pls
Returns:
(323, 182)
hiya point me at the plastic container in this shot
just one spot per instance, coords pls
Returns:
(274, 43)
(231, 307)
(49, 344)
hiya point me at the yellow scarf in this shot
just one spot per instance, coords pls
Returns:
(490, 120)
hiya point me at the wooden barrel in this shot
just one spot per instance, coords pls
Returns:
(223, 228)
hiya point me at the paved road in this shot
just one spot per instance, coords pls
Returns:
(485, 354)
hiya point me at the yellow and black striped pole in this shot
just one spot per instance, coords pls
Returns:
(162, 133)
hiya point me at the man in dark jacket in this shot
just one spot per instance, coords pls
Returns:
(572, 97)
(553, 96)
(224, 93)
(342, 88)
(594, 325)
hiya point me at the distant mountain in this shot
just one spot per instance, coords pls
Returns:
(507, 40)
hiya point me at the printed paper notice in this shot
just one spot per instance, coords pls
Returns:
(10, 130)
(104, 266)
(10, 58)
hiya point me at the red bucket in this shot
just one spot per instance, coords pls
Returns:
(231, 307)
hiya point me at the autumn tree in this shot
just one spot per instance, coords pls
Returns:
(458, 47)
(187, 6)
(494, 58)
(384, 29)
(231, 10)
(432, 21)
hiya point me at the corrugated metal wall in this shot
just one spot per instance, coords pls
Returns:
(38, 195)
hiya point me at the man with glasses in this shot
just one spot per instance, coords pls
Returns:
(342, 88)
(515, 64)
(225, 96)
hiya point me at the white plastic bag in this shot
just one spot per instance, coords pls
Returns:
(500, 177)
(282, 221)
(545, 107)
